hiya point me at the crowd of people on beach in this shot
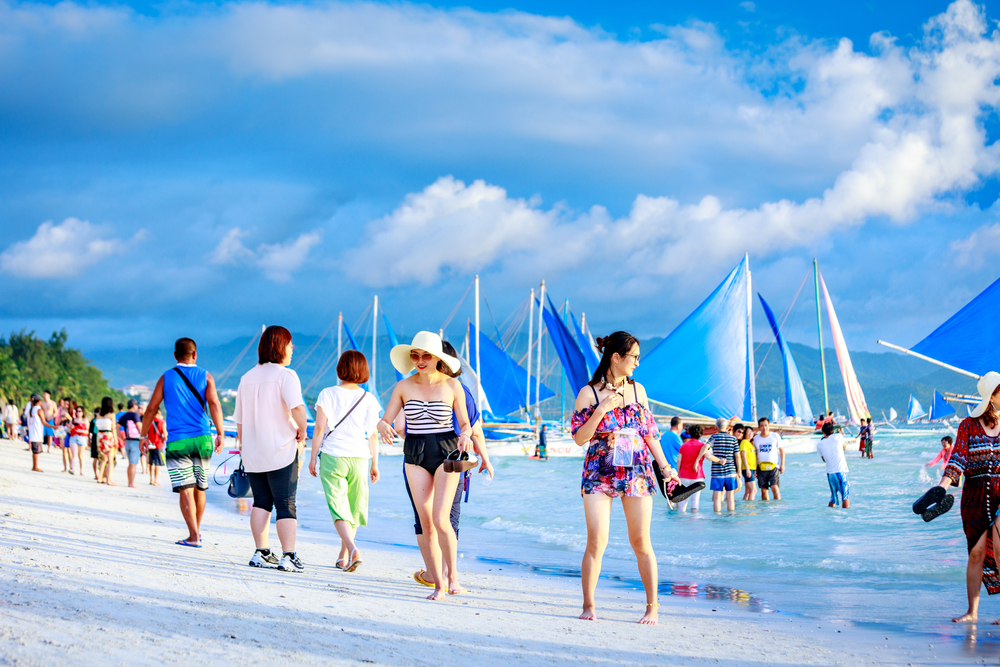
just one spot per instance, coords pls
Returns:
(437, 418)
(108, 433)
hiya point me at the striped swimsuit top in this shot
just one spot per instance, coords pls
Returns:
(427, 417)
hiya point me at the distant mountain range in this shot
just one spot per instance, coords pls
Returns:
(887, 378)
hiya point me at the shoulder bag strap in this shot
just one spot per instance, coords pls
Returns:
(346, 415)
(201, 401)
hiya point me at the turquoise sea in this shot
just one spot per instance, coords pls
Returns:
(875, 565)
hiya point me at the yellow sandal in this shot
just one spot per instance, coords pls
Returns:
(418, 577)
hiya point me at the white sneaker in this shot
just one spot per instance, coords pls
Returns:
(290, 563)
(260, 560)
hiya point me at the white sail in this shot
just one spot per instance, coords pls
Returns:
(856, 404)
(893, 414)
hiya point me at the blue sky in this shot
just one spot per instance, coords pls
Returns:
(199, 169)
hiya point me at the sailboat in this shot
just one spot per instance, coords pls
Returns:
(915, 411)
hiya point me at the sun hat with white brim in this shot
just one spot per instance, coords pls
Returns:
(426, 341)
(986, 386)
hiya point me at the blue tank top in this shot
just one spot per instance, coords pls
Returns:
(185, 417)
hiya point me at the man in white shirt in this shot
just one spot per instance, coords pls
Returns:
(831, 450)
(770, 459)
(36, 430)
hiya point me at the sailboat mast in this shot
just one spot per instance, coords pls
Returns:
(374, 343)
(751, 366)
(531, 337)
(538, 364)
(819, 330)
(562, 400)
(479, 337)
(340, 334)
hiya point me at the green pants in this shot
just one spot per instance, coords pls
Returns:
(345, 483)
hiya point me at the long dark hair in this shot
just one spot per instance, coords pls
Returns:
(107, 406)
(619, 342)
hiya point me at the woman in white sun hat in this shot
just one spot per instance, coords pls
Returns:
(977, 456)
(428, 398)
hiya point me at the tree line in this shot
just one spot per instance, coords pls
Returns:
(30, 365)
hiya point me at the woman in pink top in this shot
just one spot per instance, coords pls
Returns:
(271, 427)
(689, 465)
(947, 444)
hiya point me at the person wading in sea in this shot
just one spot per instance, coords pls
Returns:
(188, 393)
(977, 456)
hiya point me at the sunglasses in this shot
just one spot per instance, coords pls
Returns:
(416, 356)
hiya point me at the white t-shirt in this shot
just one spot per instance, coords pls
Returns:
(264, 402)
(832, 451)
(767, 448)
(350, 439)
(35, 433)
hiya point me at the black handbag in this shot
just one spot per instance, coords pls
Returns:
(239, 483)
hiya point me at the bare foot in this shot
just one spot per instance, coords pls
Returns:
(455, 589)
(651, 617)
(967, 617)
(438, 594)
(110, 483)
(37, 470)
(132, 486)
(588, 614)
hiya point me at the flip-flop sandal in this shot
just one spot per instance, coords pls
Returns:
(355, 562)
(338, 563)
(458, 461)
(933, 496)
(418, 577)
(940, 508)
(682, 493)
(185, 543)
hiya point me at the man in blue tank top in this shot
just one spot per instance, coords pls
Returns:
(188, 393)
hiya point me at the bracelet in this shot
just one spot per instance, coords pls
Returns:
(653, 604)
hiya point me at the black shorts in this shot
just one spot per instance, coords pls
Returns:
(768, 478)
(429, 450)
(156, 457)
(275, 489)
(36, 448)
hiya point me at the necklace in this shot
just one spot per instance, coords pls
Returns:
(619, 389)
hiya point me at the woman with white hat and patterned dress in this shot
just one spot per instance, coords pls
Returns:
(977, 456)
(428, 398)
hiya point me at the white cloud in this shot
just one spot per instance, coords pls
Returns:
(978, 248)
(278, 261)
(59, 251)
(748, 6)
(931, 145)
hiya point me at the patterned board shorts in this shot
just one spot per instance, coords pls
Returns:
(189, 462)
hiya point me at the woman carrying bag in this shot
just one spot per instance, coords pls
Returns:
(271, 425)
(345, 433)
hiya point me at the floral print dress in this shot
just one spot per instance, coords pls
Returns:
(599, 475)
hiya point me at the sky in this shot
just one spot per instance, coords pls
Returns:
(200, 169)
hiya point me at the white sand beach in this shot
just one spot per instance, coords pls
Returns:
(90, 574)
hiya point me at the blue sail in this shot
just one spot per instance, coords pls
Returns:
(569, 352)
(504, 381)
(393, 342)
(796, 401)
(940, 408)
(915, 411)
(590, 356)
(965, 340)
(703, 365)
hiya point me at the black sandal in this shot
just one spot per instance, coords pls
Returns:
(940, 508)
(934, 496)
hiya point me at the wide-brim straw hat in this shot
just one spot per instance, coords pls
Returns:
(986, 386)
(428, 342)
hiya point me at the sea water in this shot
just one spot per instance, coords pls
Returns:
(876, 564)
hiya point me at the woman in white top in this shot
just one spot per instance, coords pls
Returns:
(271, 427)
(346, 435)
(10, 419)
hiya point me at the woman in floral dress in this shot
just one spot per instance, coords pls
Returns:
(977, 456)
(610, 402)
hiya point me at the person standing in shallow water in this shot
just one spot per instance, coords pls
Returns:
(977, 456)
(610, 405)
